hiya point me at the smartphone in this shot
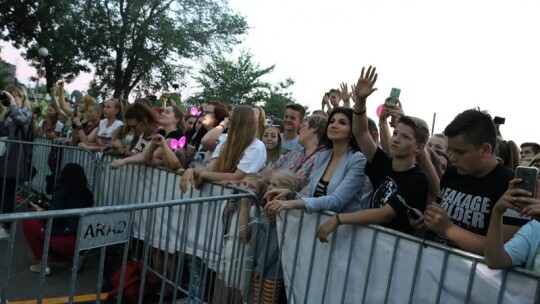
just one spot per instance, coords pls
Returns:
(106, 149)
(394, 95)
(529, 175)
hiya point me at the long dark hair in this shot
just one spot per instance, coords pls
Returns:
(73, 178)
(349, 113)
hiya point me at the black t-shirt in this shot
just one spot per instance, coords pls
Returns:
(468, 201)
(176, 134)
(398, 189)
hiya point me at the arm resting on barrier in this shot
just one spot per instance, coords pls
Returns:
(381, 215)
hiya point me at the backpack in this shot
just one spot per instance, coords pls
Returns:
(132, 282)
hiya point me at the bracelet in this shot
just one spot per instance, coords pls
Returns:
(337, 217)
(359, 113)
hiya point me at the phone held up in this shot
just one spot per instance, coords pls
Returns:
(529, 176)
(394, 95)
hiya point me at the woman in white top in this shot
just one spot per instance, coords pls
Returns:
(240, 154)
(103, 135)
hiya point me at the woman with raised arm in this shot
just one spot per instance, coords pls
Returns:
(82, 130)
(338, 178)
(399, 184)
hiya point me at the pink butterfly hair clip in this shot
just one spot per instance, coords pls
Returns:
(178, 144)
(194, 112)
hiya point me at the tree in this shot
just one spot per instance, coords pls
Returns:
(141, 44)
(29, 25)
(234, 82)
(278, 98)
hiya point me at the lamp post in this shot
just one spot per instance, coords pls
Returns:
(42, 52)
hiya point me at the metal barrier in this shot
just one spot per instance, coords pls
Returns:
(47, 160)
(199, 234)
(373, 264)
(361, 264)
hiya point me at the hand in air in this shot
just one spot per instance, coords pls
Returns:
(364, 85)
(344, 92)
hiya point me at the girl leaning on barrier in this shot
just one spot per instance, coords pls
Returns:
(161, 151)
(15, 124)
(70, 192)
(103, 135)
(240, 154)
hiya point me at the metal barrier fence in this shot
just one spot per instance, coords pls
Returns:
(199, 237)
(47, 160)
(360, 264)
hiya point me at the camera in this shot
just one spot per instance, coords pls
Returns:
(4, 99)
(39, 200)
(499, 120)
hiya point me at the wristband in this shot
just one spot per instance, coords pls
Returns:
(359, 113)
(337, 217)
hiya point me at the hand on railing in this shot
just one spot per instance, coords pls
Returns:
(328, 227)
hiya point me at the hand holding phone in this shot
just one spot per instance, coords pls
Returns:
(529, 176)
(394, 95)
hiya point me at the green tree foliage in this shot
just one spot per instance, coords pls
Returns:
(53, 24)
(278, 98)
(76, 96)
(142, 44)
(234, 82)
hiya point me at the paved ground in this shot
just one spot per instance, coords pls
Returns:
(24, 285)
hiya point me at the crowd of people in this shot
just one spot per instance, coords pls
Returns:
(457, 188)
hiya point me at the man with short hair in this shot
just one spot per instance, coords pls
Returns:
(334, 96)
(292, 120)
(527, 152)
(471, 186)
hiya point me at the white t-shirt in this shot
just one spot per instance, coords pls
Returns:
(524, 247)
(104, 134)
(252, 160)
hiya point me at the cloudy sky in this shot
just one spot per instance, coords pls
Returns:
(446, 56)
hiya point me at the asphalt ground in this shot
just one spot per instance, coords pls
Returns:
(23, 285)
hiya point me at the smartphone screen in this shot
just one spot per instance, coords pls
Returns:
(529, 175)
(394, 95)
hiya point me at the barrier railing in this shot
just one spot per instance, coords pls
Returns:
(360, 264)
(198, 234)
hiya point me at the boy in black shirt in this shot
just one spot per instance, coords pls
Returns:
(471, 186)
(399, 184)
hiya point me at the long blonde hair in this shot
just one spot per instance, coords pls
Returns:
(242, 132)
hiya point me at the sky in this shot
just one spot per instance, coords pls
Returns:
(445, 56)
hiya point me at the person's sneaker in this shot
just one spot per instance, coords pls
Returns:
(37, 269)
(4, 235)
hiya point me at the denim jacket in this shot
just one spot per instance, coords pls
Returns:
(345, 188)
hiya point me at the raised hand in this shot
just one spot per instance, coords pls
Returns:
(364, 85)
(344, 92)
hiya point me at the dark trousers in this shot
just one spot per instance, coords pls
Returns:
(7, 197)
